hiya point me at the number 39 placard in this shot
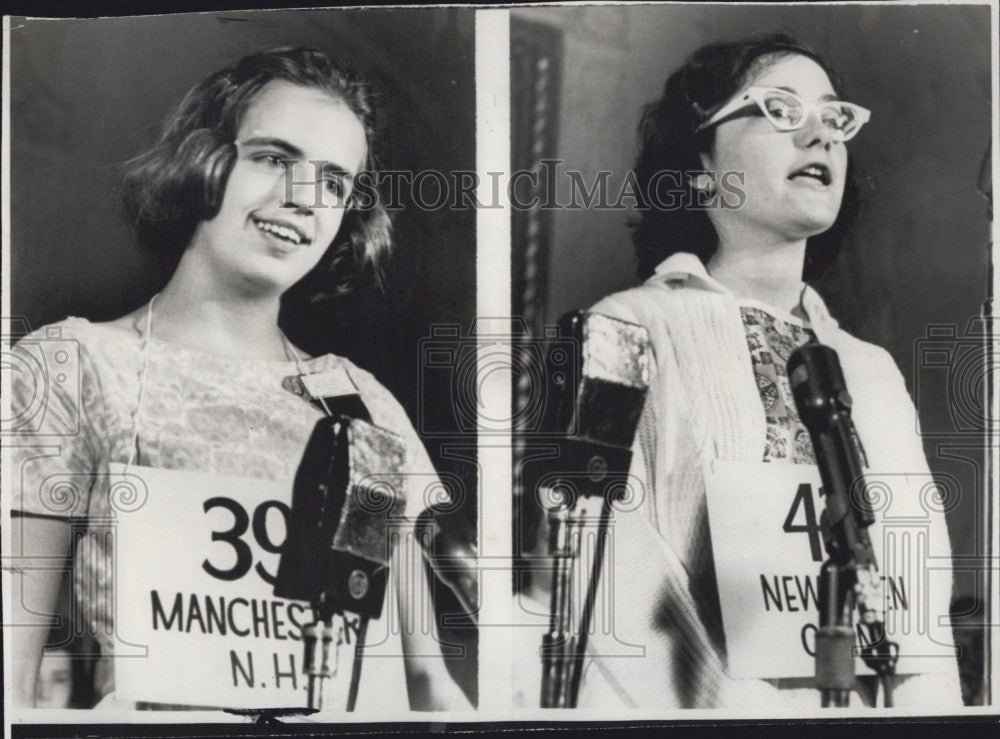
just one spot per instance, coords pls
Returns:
(196, 565)
(768, 549)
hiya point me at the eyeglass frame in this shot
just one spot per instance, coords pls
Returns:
(755, 94)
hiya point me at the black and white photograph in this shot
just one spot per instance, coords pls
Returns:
(596, 366)
(233, 488)
(753, 256)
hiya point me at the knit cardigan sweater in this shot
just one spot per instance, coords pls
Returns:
(663, 645)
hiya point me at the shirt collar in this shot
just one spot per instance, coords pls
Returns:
(688, 268)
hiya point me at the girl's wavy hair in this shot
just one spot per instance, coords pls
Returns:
(181, 180)
(668, 142)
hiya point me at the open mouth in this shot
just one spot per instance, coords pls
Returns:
(282, 230)
(815, 171)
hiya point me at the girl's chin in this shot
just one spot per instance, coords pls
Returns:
(814, 223)
(268, 283)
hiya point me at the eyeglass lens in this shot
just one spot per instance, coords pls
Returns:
(786, 111)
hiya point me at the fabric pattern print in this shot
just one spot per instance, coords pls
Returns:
(771, 341)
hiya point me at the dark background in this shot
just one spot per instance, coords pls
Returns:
(87, 95)
(919, 256)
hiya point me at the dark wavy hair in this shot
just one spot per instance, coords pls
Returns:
(181, 180)
(668, 142)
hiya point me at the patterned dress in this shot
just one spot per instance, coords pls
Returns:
(200, 412)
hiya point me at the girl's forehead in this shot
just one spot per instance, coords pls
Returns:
(798, 73)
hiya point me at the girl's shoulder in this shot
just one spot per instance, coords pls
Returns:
(77, 345)
(666, 305)
(76, 328)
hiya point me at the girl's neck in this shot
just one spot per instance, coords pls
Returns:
(770, 273)
(222, 319)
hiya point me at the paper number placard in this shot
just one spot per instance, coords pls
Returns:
(768, 549)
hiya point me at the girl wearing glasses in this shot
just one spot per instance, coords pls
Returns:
(758, 128)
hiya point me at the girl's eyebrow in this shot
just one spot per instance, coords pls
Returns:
(294, 152)
(824, 98)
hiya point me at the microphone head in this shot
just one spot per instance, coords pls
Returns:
(817, 383)
(317, 503)
(615, 359)
(824, 406)
(348, 486)
(375, 496)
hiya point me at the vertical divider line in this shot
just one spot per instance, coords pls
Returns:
(6, 588)
(493, 277)
(991, 511)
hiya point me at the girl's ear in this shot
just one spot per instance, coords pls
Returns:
(703, 181)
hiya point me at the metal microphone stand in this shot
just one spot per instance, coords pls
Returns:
(556, 640)
(563, 646)
(842, 584)
(316, 640)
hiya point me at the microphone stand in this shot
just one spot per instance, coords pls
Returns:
(352, 693)
(564, 648)
(840, 581)
(576, 668)
(849, 577)
(316, 640)
(554, 641)
(835, 638)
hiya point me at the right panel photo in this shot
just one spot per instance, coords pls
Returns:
(751, 260)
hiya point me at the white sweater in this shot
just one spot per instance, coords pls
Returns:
(704, 404)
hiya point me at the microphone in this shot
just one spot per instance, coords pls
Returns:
(850, 574)
(597, 419)
(449, 547)
(824, 406)
(599, 416)
(336, 554)
(348, 484)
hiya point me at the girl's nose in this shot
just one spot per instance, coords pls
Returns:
(299, 187)
(814, 132)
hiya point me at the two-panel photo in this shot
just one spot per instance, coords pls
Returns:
(497, 368)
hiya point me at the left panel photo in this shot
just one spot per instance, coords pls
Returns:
(234, 477)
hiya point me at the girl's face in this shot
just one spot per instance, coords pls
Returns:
(793, 180)
(274, 225)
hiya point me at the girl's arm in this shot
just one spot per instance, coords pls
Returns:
(429, 684)
(40, 546)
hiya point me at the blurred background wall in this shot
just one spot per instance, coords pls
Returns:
(919, 255)
(89, 94)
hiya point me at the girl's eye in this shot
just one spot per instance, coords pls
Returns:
(779, 109)
(273, 160)
(339, 188)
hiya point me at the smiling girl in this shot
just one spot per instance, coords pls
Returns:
(725, 302)
(250, 187)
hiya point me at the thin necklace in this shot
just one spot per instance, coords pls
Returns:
(290, 350)
(291, 353)
(134, 445)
